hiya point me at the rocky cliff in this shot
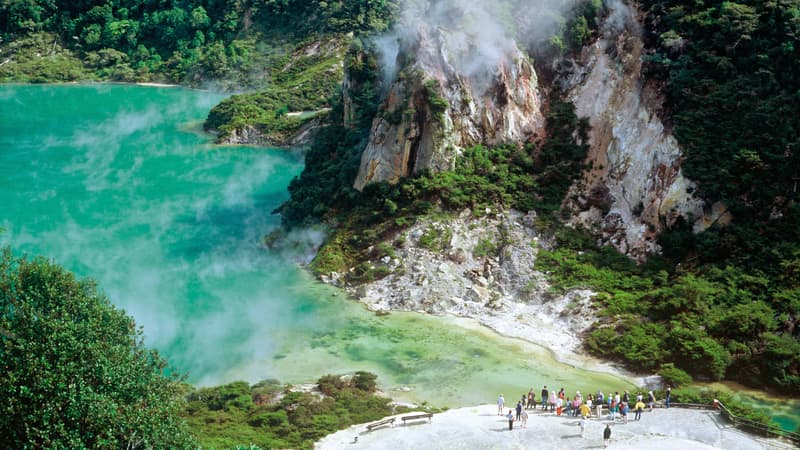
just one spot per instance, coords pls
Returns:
(634, 187)
(444, 98)
(483, 268)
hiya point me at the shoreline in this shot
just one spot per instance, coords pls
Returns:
(576, 359)
(504, 292)
(150, 84)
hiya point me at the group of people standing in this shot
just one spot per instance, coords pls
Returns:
(586, 407)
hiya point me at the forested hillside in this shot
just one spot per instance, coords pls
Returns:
(185, 41)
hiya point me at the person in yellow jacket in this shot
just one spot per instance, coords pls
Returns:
(586, 410)
(639, 407)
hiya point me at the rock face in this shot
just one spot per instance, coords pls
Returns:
(634, 188)
(483, 268)
(442, 101)
(251, 135)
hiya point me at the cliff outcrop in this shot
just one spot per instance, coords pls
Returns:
(634, 187)
(443, 101)
(482, 268)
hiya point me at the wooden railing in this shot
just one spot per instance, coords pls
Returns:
(750, 425)
(744, 423)
(737, 421)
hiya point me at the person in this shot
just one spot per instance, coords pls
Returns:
(599, 408)
(559, 404)
(616, 397)
(582, 424)
(510, 417)
(501, 402)
(600, 397)
(668, 397)
(519, 410)
(651, 399)
(576, 406)
(552, 401)
(586, 410)
(639, 407)
(590, 405)
(531, 399)
(626, 398)
(524, 419)
(545, 396)
(623, 410)
(607, 435)
(612, 410)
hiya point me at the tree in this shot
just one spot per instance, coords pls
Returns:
(75, 371)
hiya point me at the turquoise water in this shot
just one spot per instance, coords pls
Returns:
(117, 183)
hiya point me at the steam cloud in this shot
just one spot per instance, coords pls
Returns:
(482, 33)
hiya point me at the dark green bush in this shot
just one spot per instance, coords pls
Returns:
(221, 418)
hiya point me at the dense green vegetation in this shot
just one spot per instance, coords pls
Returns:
(731, 72)
(732, 76)
(723, 303)
(190, 41)
(75, 371)
(301, 86)
(268, 415)
(713, 321)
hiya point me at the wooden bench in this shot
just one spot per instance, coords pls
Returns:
(389, 421)
(417, 417)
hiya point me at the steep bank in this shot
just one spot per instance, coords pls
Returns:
(634, 188)
(482, 268)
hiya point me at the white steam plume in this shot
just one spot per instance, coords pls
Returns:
(482, 33)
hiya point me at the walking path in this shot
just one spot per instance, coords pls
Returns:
(480, 427)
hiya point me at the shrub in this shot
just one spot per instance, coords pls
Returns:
(674, 376)
(76, 373)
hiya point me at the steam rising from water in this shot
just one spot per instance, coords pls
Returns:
(172, 228)
(178, 249)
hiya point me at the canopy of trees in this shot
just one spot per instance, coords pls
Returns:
(185, 40)
(75, 371)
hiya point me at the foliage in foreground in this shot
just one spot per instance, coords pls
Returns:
(75, 371)
(269, 415)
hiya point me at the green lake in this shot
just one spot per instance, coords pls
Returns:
(118, 183)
